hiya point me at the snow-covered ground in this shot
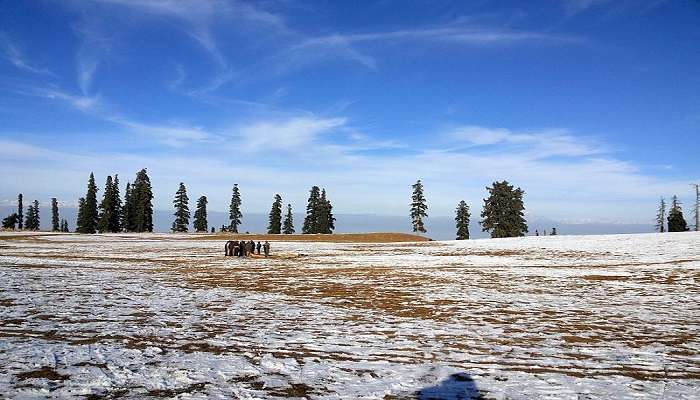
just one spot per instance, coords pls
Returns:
(567, 317)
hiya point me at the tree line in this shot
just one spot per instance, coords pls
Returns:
(503, 214)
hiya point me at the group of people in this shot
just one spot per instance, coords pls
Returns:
(235, 248)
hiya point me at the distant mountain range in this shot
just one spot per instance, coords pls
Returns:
(439, 228)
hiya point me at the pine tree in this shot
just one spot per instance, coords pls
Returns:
(30, 218)
(182, 210)
(32, 222)
(419, 208)
(288, 225)
(312, 207)
(115, 222)
(661, 216)
(81, 214)
(20, 212)
(88, 222)
(54, 215)
(127, 214)
(106, 207)
(142, 203)
(235, 214)
(10, 222)
(64, 225)
(676, 222)
(504, 212)
(462, 220)
(322, 223)
(275, 218)
(200, 215)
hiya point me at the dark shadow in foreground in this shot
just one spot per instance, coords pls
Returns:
(459, 386)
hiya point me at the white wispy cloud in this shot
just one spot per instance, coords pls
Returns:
(286, 135)
(11, 52)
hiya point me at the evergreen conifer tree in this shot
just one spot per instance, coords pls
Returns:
(322, 223)
(81, 215)
(288, 225)
(182, 210)
(55, 223)
(64, 225)
(10, 222)
(504, 211)
(312, 207)
(676, 222)
(275, 218)
(115, 222)
(127, 214)
(462, 220)
(661, 216)
(88, 222)
(419, 208)
(32, 222)
(106, 207)
(200, 215)
(142, 202)
(697, 206)
(20, 212)
(235, 213)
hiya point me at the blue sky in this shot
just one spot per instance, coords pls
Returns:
(591, 106)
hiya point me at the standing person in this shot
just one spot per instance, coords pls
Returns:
(241, 248)
(266, 247)
(227, 249)
(252, 247)
(258, 246)
(248, 248)
(234, 251)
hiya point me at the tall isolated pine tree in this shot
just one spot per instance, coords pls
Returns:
(81, 214)
(676, 222)
(312, 207)
(419, 208)
(275, 218)
(462, 220)
(88, 222)
(20, 212)
(504, 211)
(288, 224)
(200, 215)
(661, 216)
(182, 210)
(234, 211)
(55, 223)
(142, 202)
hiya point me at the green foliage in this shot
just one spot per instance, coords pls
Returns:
(676, 221)
(54, 215)
(200, 215)
(419, 208)
(20, 212)
(88, 218)
(288, 225)
(31, 222)
(64, 226)
(235, 215)
(10, 222)
(141, 198)
(504, 211)
(182, 210)
(319, 213)
(462, 220)
(275, 218)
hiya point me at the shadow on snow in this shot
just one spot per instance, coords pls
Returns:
(459, 386)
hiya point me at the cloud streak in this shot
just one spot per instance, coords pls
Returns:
(10, 52)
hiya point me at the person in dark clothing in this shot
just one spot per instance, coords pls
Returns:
(252, 247)
(227, 249)
(258, 246)
(241, 248)
(234, 251)
(266, 248)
